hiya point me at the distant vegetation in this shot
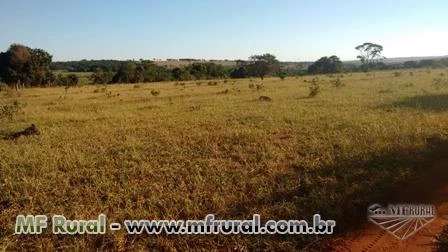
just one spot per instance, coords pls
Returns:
(326, 65)
(21, 66)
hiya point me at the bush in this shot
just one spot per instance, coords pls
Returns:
(315, 89)
(224, 91)
(155, 92)
(282, 76)
(9, 111)
(3, 87)
(338, 83)
(265, 98)
(72, 79)
(439, 83)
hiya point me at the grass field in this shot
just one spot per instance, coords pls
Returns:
(83, 76)
(197, 148)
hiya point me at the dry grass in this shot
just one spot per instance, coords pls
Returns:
(135, 156)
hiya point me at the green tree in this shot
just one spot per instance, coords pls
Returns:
(72, 80)
(100, 77)
(326, 65)
(17, 65)
(369, 54)
(261, 65)
(40, 66)
(125, 73)
(239, 72)
(21, 65)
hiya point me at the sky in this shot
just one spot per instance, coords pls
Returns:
(293, 30)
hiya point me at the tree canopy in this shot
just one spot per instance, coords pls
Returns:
(23, 65)
(261, 65)
(326, 65)
(369, 54)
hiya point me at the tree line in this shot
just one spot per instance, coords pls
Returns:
(21, 66)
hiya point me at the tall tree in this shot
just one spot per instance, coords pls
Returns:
(23, 65)
(39, 66)
(369, 54)
(261, 65)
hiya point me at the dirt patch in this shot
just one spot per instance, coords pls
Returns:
(431, 188)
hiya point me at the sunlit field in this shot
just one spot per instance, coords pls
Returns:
(182, 150)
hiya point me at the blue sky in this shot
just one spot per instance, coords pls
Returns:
(225, 29)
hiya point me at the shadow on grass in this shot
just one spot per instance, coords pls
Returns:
(343, 191)
(436, 103)
(442, 240)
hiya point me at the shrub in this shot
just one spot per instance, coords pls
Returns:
(338, 83)
(155, 92)
(137, 86)
(315, 89)
(251, 85)
(9, 111)
(282, 76)
(265, 98)
(397, 74)
(439, 83)
(224, 91)
(260, 86)
(195, 107)
(109, 94)
(100, 90)
(3, 87)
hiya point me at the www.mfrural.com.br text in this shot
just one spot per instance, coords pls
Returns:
(36, 224)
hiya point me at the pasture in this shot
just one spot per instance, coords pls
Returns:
(184, 150)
